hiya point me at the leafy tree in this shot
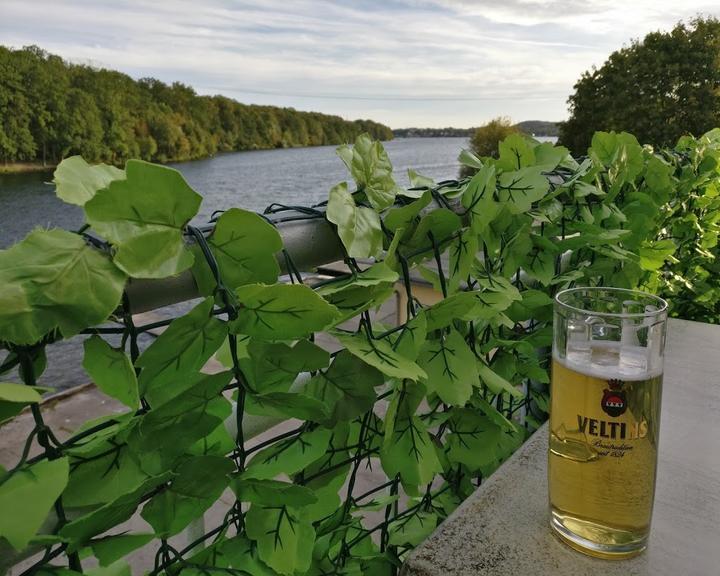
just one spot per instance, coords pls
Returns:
(660, 88)
(50, 109)
(485, 140)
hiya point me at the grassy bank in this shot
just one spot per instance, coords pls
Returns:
(21, 167)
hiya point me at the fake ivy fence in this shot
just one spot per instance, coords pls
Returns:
(434, 403)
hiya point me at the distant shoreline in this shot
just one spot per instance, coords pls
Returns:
(25, 167)
(541, 128)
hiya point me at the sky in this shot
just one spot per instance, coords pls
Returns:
(427, 63)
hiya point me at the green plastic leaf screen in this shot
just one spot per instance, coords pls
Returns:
(432, 399)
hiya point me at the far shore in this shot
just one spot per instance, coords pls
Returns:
(22, 167)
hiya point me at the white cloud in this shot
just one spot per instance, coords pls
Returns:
(403, 62)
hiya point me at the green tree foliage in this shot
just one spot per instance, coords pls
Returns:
(51, 109)
(485, 140)
(659, 89)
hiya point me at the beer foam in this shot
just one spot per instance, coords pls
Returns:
(608, 360)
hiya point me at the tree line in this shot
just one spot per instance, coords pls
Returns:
(51, 109)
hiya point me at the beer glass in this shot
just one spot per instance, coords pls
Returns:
(604, 418)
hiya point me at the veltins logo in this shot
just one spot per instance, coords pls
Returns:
(613, 401)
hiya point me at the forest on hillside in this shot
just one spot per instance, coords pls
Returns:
(51, 109)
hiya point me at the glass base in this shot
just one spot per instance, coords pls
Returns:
(597, 540)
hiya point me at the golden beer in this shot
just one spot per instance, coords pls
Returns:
(603, 455)
(606, 388)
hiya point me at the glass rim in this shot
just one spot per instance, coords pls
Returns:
(662, 309)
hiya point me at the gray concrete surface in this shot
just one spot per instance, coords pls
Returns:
(503, 528)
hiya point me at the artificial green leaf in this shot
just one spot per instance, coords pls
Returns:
(54, 280)
(371, 169)
(199, 482)
(225, 357)
(468, 158)
(378, 273)
(411, 337)
(658, 177)
(377, 503)
(26, 498)
(494, 296)
(455, 306)
(101, 472)
(540, 261)
(272, 367)
(327, 488)
(143, 216)
(463, 251)
(111, 371)
(653, 255)
(473, 439)
(159, 396)
(548, 156)
(357, 299)
(289, 456)
(542, 400)
(76, 181)
(347, 387)
(451, 368)
(521, 188)
(479, 201)
(391, 254)
(183, 348)
(336, 457)
(418, 180)
(118, 568)
(434, 228)
(284, 537)
(582, 189)
(81, 530)
(492, 413)
(216, 443)
(412, 529)
(267, 492)
(281, 311)
(535, 304)
(242, 555)
(404, 216)
(407, 449)
(620, 152)
(496, 383)
(591, 235)
(642, 211)
(287, 405)
(38, 364)
(111, 548)
(14, 397)
(516, 251)
(359, 227)
(380, 354)
(244, 245)
(166, 432)
(516, 152)
(49, 570)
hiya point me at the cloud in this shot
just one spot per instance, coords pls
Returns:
(420, 62)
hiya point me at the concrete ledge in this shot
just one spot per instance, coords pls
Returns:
(503, 528)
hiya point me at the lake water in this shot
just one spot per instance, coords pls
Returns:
(251, 180)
